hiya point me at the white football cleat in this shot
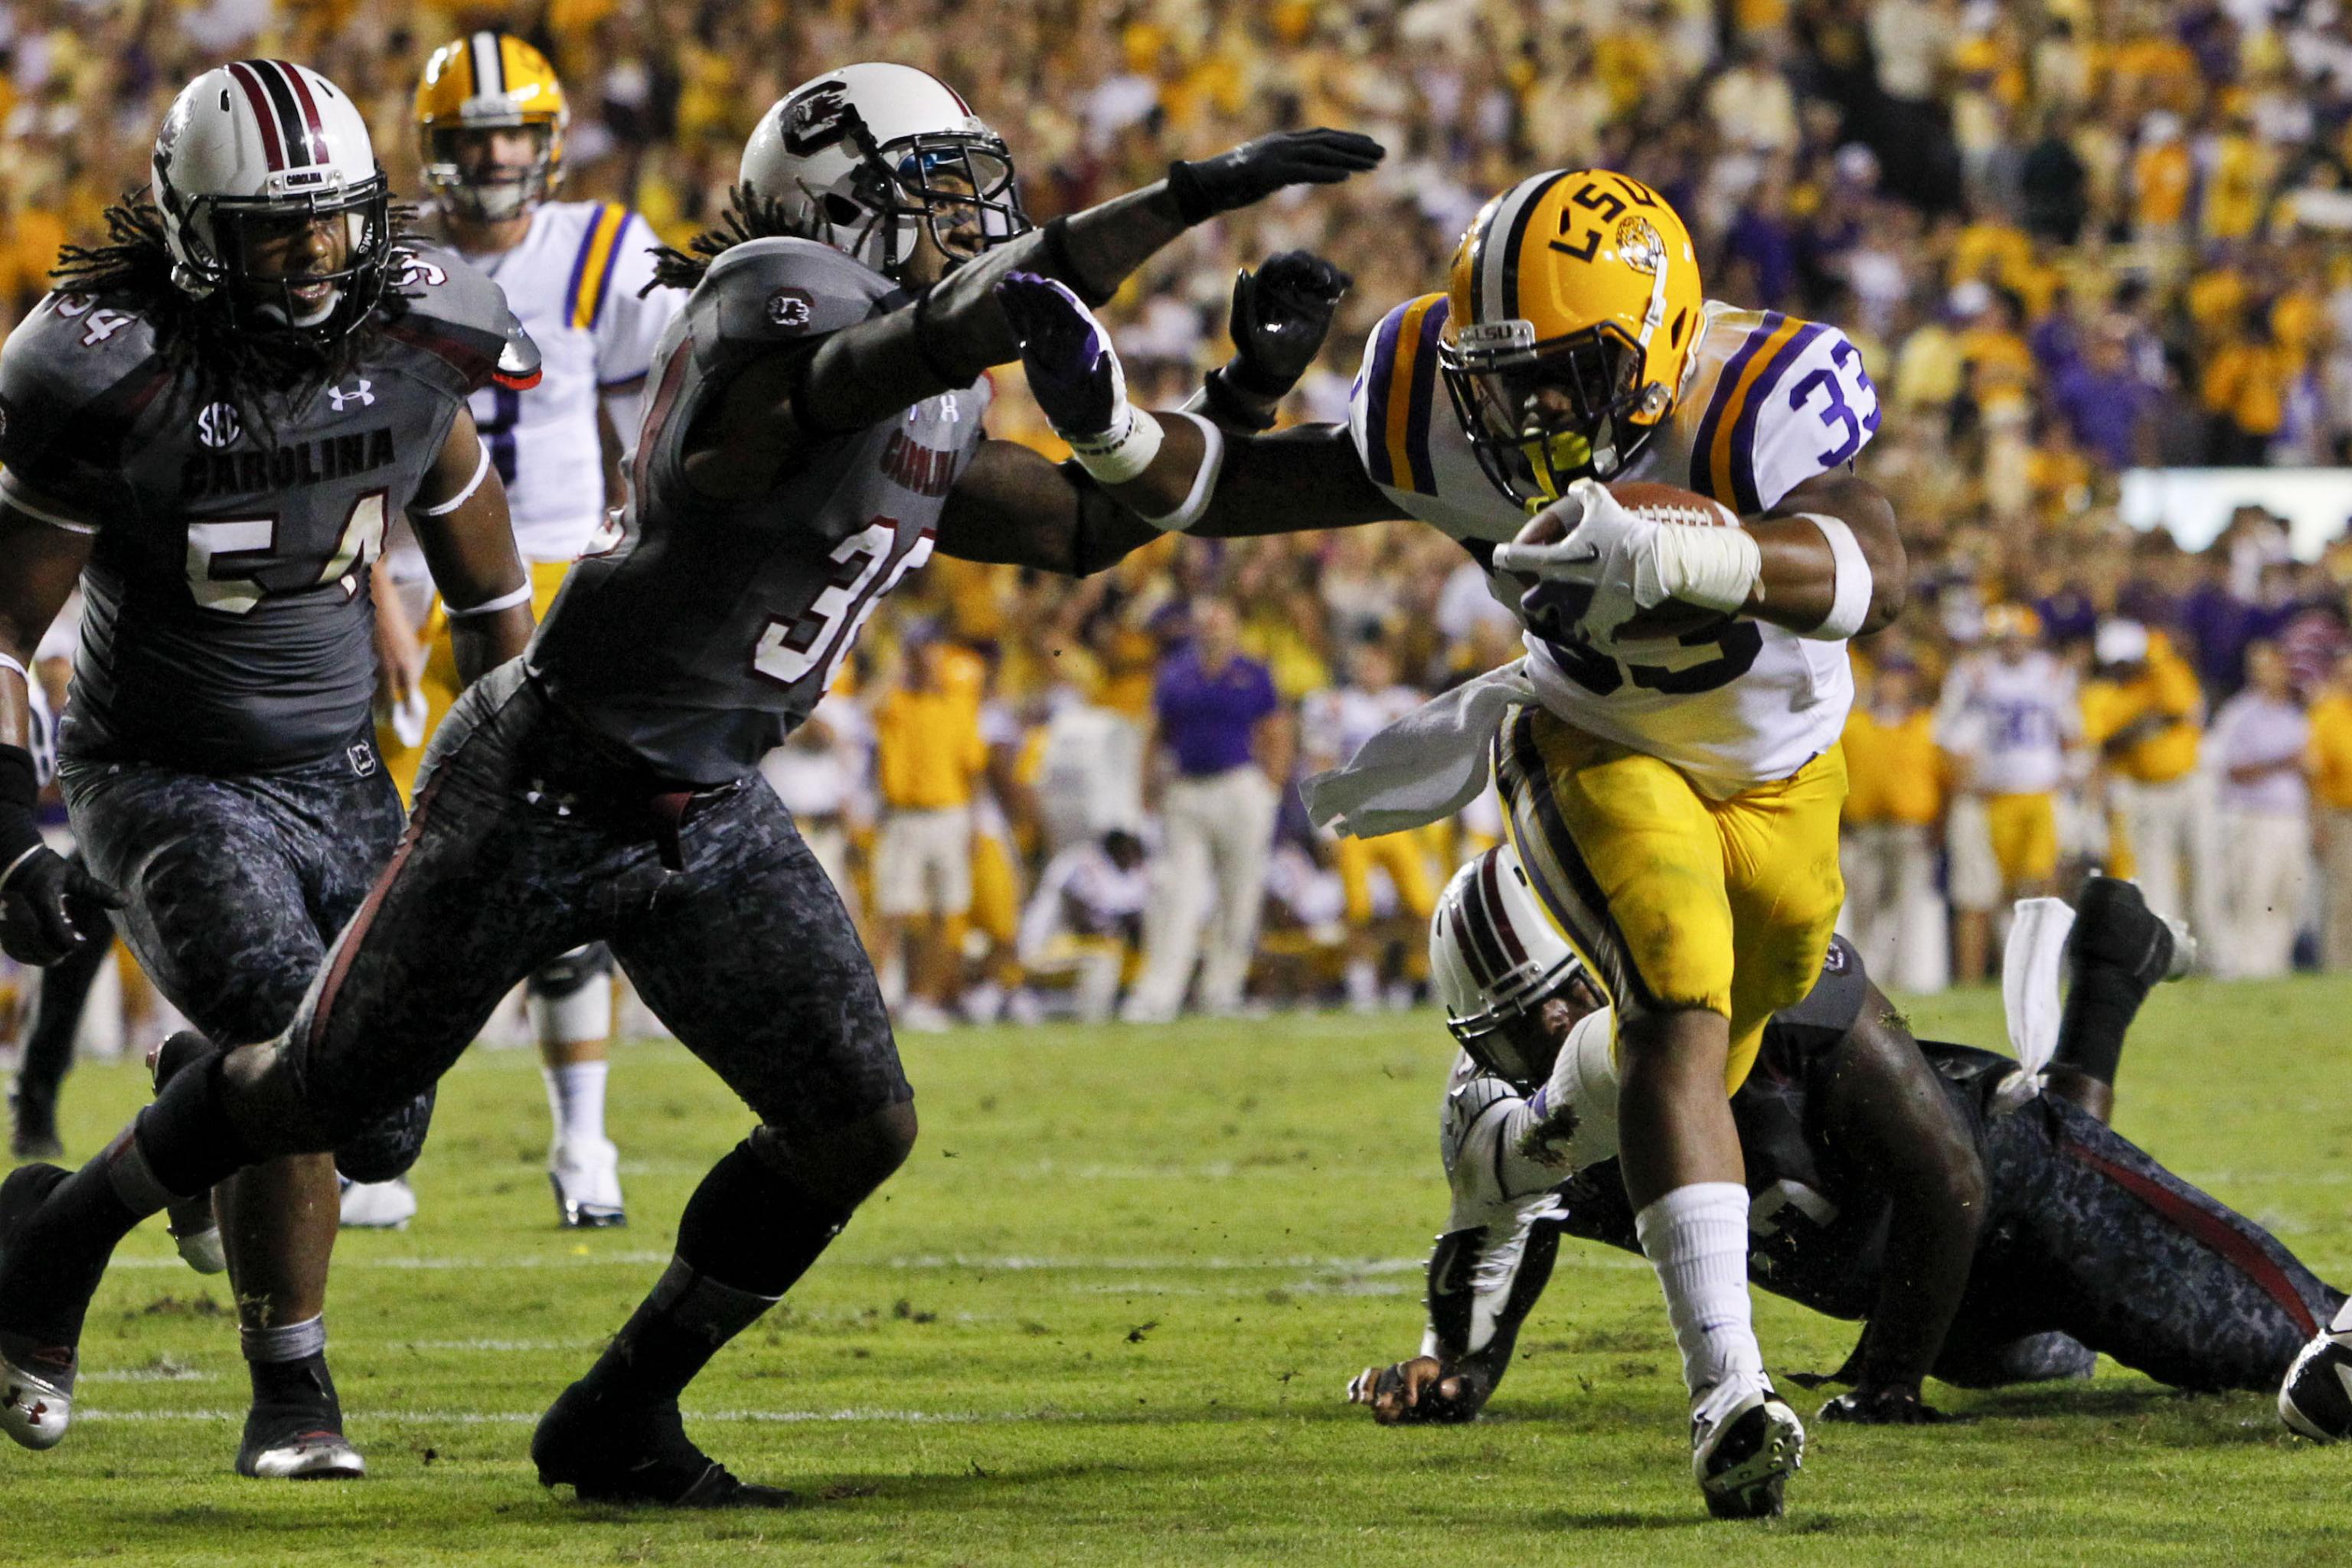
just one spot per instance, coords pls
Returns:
(193, 1229)
(303, 1457)
(2315, 1397)
(35, 1410)
(1744, 1453)
(378, 1206)
(586, 1175)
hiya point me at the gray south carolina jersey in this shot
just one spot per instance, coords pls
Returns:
(228, 624)
(697, 632)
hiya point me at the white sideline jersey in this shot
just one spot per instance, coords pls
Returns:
(1770, 402)
(2013, 722)
(572, 281)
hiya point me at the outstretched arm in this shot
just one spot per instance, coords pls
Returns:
(1885, 1110)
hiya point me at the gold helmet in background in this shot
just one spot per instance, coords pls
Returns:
(489, 81)
(1575, 306)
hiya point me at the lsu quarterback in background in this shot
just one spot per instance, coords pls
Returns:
(1667, 750)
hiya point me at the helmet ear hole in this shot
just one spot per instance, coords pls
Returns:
(1675, 334)
(839, 209)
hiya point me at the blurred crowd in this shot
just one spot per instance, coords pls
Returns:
(2071, 237)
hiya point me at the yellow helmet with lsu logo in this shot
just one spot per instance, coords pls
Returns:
(1575, 306)
(483, 82)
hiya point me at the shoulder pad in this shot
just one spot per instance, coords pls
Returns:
(1395, 395)
(458, 313)
(1791, 402)
(75, 363)
(774, 291)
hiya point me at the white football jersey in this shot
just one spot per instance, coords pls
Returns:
(1770, 402)
(2013, 722)
(572, 281)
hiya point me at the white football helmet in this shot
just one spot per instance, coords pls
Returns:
(853, 157)
(1494, 956)
(264, 141)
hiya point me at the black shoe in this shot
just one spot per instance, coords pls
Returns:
(2113, 926)
(2315, 1398)
(609, 1452)
(36, 1379)
(295, 1430)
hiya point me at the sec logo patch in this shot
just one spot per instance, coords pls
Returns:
(791, 309)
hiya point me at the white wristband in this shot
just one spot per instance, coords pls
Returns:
(1701, 564)
(1204, 482)
(506, 600)
(481, 472)
(1115, 458)
(22, 673)
(1850, 603)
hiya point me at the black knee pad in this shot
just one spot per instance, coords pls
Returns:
(574, 971)
(387, 1146)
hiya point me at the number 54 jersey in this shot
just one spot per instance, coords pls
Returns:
(228, 625)
(697, 632)
(1771, 401)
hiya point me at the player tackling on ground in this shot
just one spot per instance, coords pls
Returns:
(209, 425)
(813, 426)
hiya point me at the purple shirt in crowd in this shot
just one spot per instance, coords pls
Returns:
(2104, 412)
(1207, 720)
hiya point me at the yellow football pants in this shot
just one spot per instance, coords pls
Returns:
(1675, 901)
(1403, 856)
(2024, 833)
(440, 680)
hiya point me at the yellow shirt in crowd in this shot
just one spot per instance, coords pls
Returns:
(2331, 751)
(1894, 773)
(928, 748)
(2168, 687)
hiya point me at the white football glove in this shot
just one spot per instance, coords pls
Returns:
(1600, 545)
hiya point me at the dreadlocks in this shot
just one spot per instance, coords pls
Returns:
(748, 215)
(222, 360)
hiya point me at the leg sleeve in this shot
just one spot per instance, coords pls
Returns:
(2141, 1266)
(751, 960)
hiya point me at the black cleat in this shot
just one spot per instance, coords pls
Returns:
(613, 1453)
(2112, 924)
(2316, 1398)
(36, 1379)
(295, 1430)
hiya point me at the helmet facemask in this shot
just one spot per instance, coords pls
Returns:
(513, 190)
(1541, 416)
(211, 262)
(955, 186)
(1508, 1038)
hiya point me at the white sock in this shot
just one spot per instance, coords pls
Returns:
(1696, 1238)
(575, 1097)
(2343, 1323)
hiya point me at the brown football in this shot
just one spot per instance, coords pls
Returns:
(1671, 503)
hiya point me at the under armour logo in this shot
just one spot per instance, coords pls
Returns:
(217, 425)
(360, 394)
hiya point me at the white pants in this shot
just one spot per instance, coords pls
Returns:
(1893, 916)
(922, 863)
(2174, 829)
(1211, 874)
(2337, 948)
(2270, 881)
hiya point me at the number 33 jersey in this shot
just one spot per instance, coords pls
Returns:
(697, 632)
(1771, 401)
(228, 624)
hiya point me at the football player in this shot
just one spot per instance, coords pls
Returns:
(209, 424)
(1986, 1226)
(490, 118)
(1667, 753)
(812, 430)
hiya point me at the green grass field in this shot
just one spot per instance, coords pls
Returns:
(1105, 1315)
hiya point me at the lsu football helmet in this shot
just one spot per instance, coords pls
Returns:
(1495, 957)
(868, 158)
(487, 81)
(1575, 304)
(257, 144)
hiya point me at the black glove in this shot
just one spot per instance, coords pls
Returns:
(1282, 312)
(50, 906)
(1885, 1404)
(1255, 170)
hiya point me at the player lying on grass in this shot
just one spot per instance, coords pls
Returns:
(1988, 1228)
(813, 427)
